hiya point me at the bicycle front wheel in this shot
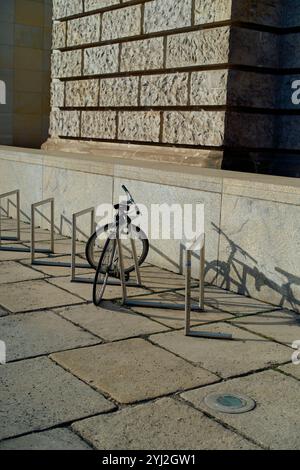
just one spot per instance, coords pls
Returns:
(104, 269)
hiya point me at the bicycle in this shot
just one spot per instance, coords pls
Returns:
(108, 264)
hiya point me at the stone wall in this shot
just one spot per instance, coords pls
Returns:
(252, 222)
(25, 48)
(188, 73)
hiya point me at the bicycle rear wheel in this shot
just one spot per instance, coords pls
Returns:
(104, 270)
(96, 244)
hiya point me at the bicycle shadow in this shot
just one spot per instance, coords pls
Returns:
(240, 270)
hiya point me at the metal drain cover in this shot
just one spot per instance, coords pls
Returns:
(232, 403)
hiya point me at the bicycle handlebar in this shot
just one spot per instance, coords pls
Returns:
(131, 200)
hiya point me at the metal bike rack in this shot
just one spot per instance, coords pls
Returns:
(15, 193)
(33, 249)
(188, 307)
(74, 266)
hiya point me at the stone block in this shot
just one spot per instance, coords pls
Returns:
(164, 90)
(204, 47)
(57, 94)
(65, 123)
(48, 396)
(66, 64)
(139, 126)
(124, 22)
(101, 60)
(250, 130)
(84, 30)
(163, 424)
(120, 91)
(209, 88)
(82, 93)
(252, 241)
(169, 14)
(255, 48)
(194, 127)
(90, 5)
(98, 124)
(59, 34)
(145, 54)
(288, 129)
(63, 8)
(133, 370)
(274, 423)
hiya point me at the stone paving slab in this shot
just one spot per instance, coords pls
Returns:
(11, 271)
(34, 295)
(37, 394)
(163, 424)
(55, 439)
(230, 302)
(36, 333)
(158, 280)
(59, 271)
(86, 290)
(248, 352)
(176, 318)
(282, 326)
(274, 423)
(16, 255)
(3, 312)
(133, 370)
(110, 322)
(291, 369)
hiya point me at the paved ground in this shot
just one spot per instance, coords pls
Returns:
(78, 377)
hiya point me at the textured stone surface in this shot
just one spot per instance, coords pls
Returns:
(169, 14)
(274, 422)
(194, 127)
(66, 123)
(39, 389)
(11, 272)
(246, 353)
(84, 30)
(250, 130)
(252, 239)
(198, 48)
(62, 8)
(139, 126)
(82, 93)
(263, 50)
(164, 90)
(253, 89)
(110, 322)
(133, 370)
(66, 64)
(59, 34)
(101, 60)
(35, 334)
(57, 93)
(289, 136)
(122, 91)
(291, 369)
(98, 124)
(142, 55)
(55, 439)
(120, 23)
(282, 326)
(42, 295)
(207, 11)
(209, 88)
(164, 424)
(90, 5)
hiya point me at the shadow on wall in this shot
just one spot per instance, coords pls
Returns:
(236, 275)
